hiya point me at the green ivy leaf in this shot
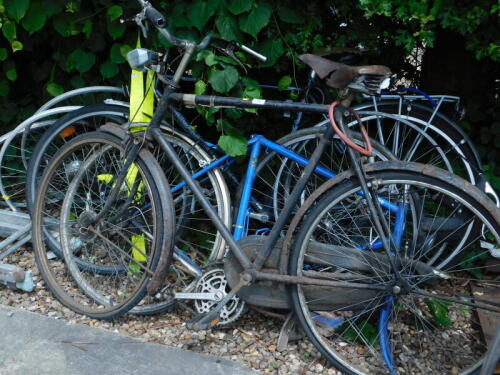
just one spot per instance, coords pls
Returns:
(115, 54)
(200, 12)
(17, 8)
(124, 50)
(11, 74)
(82, 61)
(257, 19)
(273, 49)
(233, 113)
(252, 92)
(17, 46)
(284, 83)
(109, 69)
(115, 12)
(9, 31)
(226, 60)
(3, 54)
(223, 80)
(227, 128)
(200, 87)
(289, 15)
(116, 30)
(227, 27)
(240, 6)
(54, 89)
(87, 28)
(210, 59)
(63, 25)
(35, 18)
(233, 145)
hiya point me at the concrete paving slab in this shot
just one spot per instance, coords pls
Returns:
(39, 345)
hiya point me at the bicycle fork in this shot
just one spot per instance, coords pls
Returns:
(388, 242)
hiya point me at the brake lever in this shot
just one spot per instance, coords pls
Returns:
(138, 19)
(229, 52)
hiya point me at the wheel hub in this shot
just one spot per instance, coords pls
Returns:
(83, 224)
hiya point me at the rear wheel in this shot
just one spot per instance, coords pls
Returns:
(426, 322)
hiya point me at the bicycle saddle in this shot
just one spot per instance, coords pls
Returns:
(365, 78)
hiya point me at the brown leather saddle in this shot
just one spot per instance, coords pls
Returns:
(366, 78)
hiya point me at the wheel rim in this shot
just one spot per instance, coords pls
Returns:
(383, 312)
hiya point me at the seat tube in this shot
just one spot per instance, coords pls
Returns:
(239, 227)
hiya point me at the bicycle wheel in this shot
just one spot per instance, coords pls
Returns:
(412, 139)
(119, 252)
(424, 322)
(86, 96)
(17, 146)
(277, 174)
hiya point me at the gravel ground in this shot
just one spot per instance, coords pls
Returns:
(252, 340)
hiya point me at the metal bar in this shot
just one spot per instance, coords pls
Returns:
(319, 169)
(230, 102)
(271, 240)
(215, 164)
(376, 213)
(239, 230)
(300, 280)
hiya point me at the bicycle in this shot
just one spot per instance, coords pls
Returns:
(386, 276)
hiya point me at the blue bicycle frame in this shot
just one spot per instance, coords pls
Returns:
(256, 143)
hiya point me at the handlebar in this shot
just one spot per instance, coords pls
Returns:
(159, 21)
(252, 52)
(155, 17)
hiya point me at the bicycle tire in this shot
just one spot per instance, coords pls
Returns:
(344, 334)
(41, 155)
(57, 274)
(441, 121)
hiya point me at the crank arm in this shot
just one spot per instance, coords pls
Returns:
(193, 296)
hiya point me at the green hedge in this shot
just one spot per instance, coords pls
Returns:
(49, 46)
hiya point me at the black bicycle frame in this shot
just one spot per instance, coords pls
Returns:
(250, 269)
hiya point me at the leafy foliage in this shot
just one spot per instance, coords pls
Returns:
(53, 45)
(421, 18)
(440, 312)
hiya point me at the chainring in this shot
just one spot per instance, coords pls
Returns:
(214, 281)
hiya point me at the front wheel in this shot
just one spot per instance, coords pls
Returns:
(110, 255)
(424, 322)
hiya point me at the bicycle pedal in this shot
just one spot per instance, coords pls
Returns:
(202, 322)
